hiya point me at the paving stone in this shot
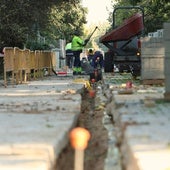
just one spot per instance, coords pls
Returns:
(35, 120)
(146, 134)
(142, 129)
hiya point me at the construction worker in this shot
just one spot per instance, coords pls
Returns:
(90, 56)
(98, 60)
(77, 48)
(69, 55)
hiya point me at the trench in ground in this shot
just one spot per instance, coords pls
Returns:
(96, 151)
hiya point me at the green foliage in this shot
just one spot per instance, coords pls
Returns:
(32, 45)
(21, 20)
(156, 12)
(66, 19)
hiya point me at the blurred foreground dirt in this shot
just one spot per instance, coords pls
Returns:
(96, 151)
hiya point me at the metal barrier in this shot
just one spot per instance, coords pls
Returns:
(8, 64)
(23, 65)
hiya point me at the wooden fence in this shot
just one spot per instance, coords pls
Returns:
(23, 65)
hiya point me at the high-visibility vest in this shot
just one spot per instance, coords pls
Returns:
(68, 46)
(77, 43)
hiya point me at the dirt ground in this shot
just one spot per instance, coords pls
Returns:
(96, 151)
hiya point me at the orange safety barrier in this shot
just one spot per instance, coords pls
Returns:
(32, 64)
(25, 64)
(22, 63)
(37, 68)
(8, 63)
(52, 61)
(48, 59)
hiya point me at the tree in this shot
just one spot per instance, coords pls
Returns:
(65, 20)
(23, 20)
(156, 12)
(12, 23)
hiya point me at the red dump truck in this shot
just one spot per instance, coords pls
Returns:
(123, 43)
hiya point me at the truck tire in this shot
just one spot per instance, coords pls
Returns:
(108, 63)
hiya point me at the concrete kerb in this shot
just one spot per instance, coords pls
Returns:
(141, 125)
(35, 120)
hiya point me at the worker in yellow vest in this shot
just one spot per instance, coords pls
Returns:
(77, 48)
(69, 55)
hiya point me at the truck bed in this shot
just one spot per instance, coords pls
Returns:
(130, 28)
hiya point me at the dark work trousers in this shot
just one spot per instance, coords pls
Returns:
(77, 62)
(69, 58)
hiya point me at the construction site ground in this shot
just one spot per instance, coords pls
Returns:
(129, 125)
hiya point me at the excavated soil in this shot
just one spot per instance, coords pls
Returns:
(96, 151)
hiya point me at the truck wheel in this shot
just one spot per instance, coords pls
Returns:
(108, 63)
